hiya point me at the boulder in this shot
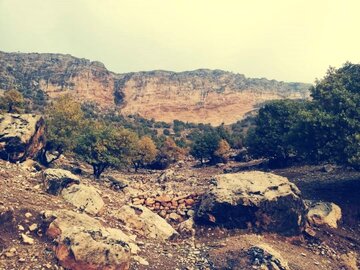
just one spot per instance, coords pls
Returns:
(21, 136)
(323, 214)
(265, 257)
(143, 221)
(55, 180)
(255, 199)
(85, 198)
(84, 244)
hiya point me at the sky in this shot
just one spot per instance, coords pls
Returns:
(287, 40)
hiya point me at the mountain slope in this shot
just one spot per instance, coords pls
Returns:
(208, 96)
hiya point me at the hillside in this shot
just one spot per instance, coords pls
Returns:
(208, 96)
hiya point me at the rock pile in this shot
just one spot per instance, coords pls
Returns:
(173, 207)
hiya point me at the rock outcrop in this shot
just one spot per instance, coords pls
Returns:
(143, 221)
(206, 96)
(84, 244)
(55, 180)
(200, 96)
(21, 136)
(253, 200)
(85, 198)
(323, 214)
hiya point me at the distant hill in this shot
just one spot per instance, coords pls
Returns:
(207, 96)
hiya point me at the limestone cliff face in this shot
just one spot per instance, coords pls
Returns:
(201, 96)
(207, 96)
(57, 74)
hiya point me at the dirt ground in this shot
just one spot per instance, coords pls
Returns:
(211, 248)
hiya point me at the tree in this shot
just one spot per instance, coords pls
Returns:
(12, 101)
(103, 146)
(273, 136)
(204, 146)
(145, 152)
(336, 98)
(64, 123)
(168, 153)
(221, 155)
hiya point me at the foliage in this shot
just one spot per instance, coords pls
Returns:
(12, 102)
(103, 146)
(337, 99)
(168, 153)
(145, 152)
(221, 155)
(204, 146)
(327, 128)
(65, 121)
(273, 134)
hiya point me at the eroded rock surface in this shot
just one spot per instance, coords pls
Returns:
(55, 180)
(145, 222)
(323, 214)
(83, 243)
(85, 198)
(21, 136)
(253, 200)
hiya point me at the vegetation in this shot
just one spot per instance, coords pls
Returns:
(65, 122)
(12, 102)
(145, 152)
(326, 129)
(204, 147)
(168, 153)
(103, 146)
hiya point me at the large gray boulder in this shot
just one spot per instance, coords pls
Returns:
(21, 136)
(55, 180)
(83, 243)
(253, 200)
(85, 198)
(145, 222)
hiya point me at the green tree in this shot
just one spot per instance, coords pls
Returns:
(12, 101)
(273, 136)
(64, 123)
(337, 101)
(103, 146)
(204, 146)
(145, 152)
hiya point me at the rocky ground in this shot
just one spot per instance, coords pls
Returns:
(174, 195)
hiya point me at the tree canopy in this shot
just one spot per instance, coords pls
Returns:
(12, 101)
(103, 146)
(325, 129)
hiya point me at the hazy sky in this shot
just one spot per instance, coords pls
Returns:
(290, 40)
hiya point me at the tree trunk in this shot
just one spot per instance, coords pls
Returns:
(98, 170)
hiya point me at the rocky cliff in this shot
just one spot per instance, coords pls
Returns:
(208, 96)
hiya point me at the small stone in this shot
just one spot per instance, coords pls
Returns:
(149, 201)
(141, 260)
(175, 217)
(33, 227)
(26, 239)
(10, 253)
(163, 198)
(21, 260)
(21, 228)
(28, 215)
